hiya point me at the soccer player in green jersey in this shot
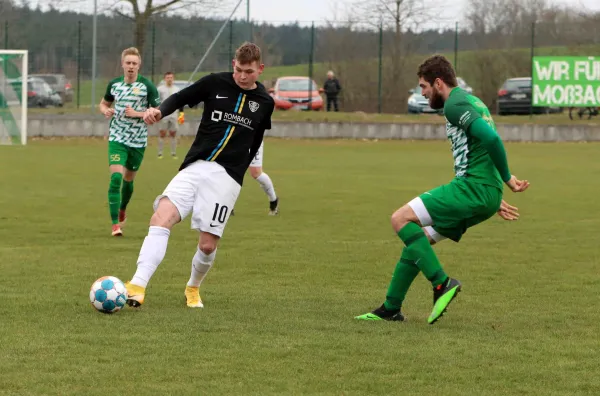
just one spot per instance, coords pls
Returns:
(473, 196)
(132, 95)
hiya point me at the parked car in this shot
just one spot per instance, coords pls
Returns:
(39, 93)
(417, 103)
(295, 93)
(59, 83)
(463, 84)
(514, 97)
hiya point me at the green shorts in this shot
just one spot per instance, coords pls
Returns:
(130, 157)
(457, 206)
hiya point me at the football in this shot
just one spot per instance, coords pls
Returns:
(108, 294)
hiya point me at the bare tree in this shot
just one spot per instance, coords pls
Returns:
(140, 12)
(396, 15)
(398, 18)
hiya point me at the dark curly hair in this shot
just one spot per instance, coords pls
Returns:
(437, 66)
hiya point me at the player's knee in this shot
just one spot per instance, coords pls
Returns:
(255, 172)
(166, 215)
(162, 134)
(207, 247)
(173, 134)
(115, 180)
(129, 175)
(400, 218)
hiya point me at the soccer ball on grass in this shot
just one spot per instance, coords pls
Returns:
(108, 294)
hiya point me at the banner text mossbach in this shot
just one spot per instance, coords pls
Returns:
(566, 81)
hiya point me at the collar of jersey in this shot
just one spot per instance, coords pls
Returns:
(455, 89)
(136, 80)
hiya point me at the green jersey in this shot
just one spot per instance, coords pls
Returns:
(471, 159)
(139, 95)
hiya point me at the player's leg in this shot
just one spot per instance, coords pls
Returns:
(161, 140)
(264, 180)
(201, 263)
(413, 224)
(117, 158)
(215, 200)
(134, 162)
(407, 222)
(172, 206)
(173, 136)
(403, 276)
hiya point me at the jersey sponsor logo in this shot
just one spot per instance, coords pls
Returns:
(237, 119)
(216, 115)
(232, 118)
(253, 106)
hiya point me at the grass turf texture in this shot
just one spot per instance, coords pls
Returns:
(281, 298)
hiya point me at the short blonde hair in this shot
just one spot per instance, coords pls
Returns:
(131, 51)
(248, 53)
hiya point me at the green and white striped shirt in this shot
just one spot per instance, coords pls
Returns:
(140, 95)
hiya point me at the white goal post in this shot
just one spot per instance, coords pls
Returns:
(14, 96)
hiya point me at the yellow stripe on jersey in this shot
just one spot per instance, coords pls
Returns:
(224, 143)
(238, 109)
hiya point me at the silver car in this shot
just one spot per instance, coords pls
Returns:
(417, 103)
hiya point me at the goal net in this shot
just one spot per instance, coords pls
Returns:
(14, 96)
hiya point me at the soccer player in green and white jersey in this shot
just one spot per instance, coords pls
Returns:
(473, 196)
(132, 94)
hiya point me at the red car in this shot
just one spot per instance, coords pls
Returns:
(296, 93)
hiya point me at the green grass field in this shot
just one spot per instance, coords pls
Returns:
(281, 298)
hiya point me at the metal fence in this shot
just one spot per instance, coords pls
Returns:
(375, 65)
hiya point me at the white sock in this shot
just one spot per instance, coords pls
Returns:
(267, 185)
(201, 263)
(161, 144)
(152, 253)
(173, 146)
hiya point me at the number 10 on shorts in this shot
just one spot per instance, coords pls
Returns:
(220, 213)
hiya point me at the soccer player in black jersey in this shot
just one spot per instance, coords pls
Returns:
(237, 111)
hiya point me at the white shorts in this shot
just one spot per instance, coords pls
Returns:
(168, 124)
(207, 191)
(257, 160)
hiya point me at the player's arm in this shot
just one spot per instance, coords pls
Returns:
(105, 108)
(106, 102)
(481, 130)
(191, 96)
(131, 113)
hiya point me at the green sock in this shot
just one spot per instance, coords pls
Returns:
(405, 273)
(126, 193)
(421, 251)
(114, 196)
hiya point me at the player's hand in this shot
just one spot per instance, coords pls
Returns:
(152, 116)
(129, 112)
(181, 118)
(508, 212)
(109, 112)
(517, 185)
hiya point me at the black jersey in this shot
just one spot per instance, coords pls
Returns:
(233, 122)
